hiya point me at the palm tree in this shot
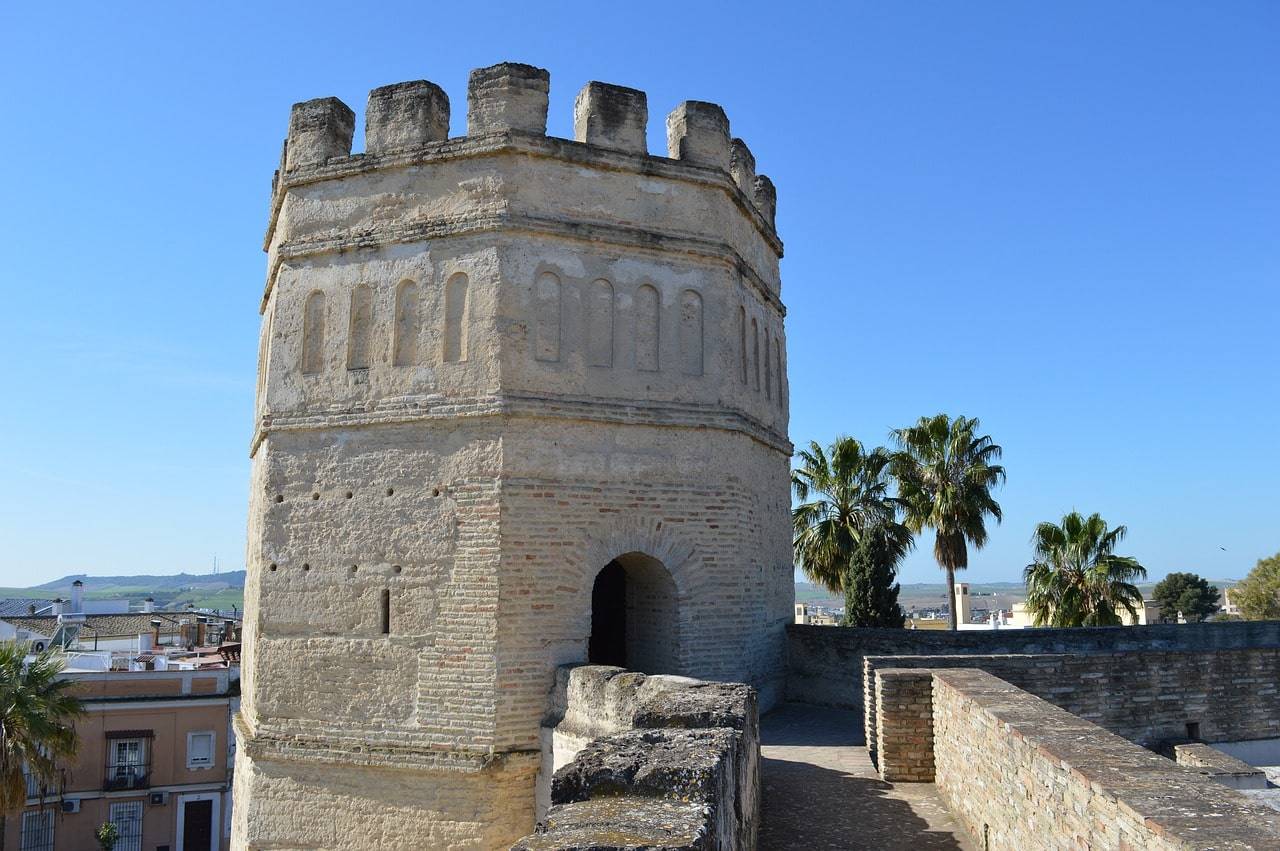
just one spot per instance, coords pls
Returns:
(1077, 579)
(844, 503)
(37, 716)
(945, 474)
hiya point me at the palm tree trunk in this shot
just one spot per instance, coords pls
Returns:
(951, 595)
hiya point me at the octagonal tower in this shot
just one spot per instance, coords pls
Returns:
(522, 402)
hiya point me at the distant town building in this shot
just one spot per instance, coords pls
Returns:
(156, 743)
(815, 615)
(155, 756)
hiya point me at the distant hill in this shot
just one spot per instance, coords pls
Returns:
(223, 591)
(148, 582)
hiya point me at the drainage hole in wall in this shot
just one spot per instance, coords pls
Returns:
(279, 497)
(305, 568)
(435, 491)
(354, 568)
(273, 567)
(391, 491)
(350, 494)
(315, 496)
(397, 568)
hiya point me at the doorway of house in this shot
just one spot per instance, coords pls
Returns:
(197, 825)
(634, 622)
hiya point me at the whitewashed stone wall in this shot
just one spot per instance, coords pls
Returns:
(489, 366)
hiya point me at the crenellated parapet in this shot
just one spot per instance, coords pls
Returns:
(506, 105)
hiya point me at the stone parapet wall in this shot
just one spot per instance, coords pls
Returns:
(648, 762)
(1219, 767)
(1019, 773)
(1153, 698)
(824, 664)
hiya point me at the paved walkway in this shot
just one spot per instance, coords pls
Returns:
(821, 791)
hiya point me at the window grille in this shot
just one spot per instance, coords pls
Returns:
(37, 831)
(127, 817)
(128, 763)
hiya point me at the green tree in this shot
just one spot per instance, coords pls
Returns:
(945, 472)
(37, 723)
(1076, 578)
(1187, 593)
(1258, 596)
(870, 591)
(107, 835)
(847, 535)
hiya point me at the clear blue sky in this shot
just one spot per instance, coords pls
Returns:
(1062, 218)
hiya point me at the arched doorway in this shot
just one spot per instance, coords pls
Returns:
(634, 616)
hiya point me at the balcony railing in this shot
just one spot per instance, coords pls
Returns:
(127, 777)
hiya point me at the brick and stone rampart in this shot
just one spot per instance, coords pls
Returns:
(905, 725)
(1018, 772)
(653, 762)
(1153, 698)
(824, 664)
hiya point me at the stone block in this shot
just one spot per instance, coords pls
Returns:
(698, 133)
(611, 117)
(742, 167)
(319, 130)
(507, 96)
(405, 115)
(621, 824)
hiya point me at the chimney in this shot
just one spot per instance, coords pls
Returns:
(56, 608)
(155, 628)
(202, 625)
(77, 597)
(148, 605)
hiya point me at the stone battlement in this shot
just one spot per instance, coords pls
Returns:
(507, 104)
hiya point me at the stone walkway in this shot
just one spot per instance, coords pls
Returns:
(821, 791)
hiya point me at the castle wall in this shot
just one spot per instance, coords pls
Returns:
(1148, 697)
(1018, 772)
(825, 664)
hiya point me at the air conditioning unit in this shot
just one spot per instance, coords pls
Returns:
(71, 805)
(159, 799)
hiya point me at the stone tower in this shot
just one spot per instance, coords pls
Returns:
(522, 402)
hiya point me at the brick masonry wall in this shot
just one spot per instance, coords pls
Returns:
(824, 664)
(1147, 697)
(1021, 773)
(905, 724)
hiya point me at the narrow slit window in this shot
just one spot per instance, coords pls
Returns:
(384, 604)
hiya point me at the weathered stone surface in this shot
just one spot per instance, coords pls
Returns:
(621, 824)
(742, 167)
(700, 705)
(405, 115)
(765, 196)
(688, 765)
(318, 130)
(611, 117)
(698, 133)
(507, 96)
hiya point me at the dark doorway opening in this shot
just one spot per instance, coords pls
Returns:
(608, 643)
(197, 826)
(634, 623)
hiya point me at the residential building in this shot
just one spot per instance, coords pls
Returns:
(155, 756)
